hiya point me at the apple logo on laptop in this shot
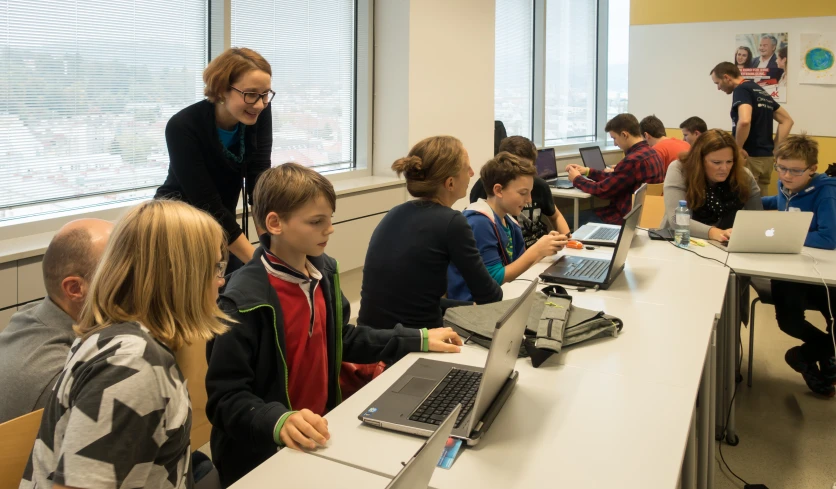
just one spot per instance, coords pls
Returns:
(770, 232)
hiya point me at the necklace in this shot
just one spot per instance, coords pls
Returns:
(228, 154)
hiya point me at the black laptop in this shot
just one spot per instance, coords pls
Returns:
(547, 169)
(595, 272)
(593, 158)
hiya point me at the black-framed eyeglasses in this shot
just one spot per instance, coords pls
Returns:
(252, 97)
(796, 172)
(220, 269)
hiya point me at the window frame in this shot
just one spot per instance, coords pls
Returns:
(218, 38)
(538, 112)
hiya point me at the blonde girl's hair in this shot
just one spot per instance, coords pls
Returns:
(158, 270)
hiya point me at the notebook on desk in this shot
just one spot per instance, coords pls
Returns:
(547, 169)
(607, 234)
(427, 392)
(595, 272)
(417, 472)
(767, 232)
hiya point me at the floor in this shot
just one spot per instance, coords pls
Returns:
(787, 436)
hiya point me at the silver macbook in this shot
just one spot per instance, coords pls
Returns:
(430, 389)
(607, 234)
(418, 471)
(768, 232)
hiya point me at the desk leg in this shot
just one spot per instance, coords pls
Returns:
(719, 380)
(689, 463)
(705, 416)
(577, 207)
(733, 319)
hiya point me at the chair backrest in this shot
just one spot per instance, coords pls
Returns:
(499, 134)
(17, 437)
(653, 212)
(192, 362)
(657, 189)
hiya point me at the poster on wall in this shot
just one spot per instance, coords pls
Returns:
(762, 58)
(818, 59)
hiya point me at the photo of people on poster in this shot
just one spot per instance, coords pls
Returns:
(762, 58)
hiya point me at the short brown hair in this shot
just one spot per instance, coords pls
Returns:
(694, 124)
(429, 164)
(519, 146)
(799, 147)
(726, 68)
(68, 255)
(286, 188)
(624, 123)
(653, 126)
(228, 67)
(504, 168)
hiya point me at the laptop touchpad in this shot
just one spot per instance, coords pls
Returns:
(418, 386)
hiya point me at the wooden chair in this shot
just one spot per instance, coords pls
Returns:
(17, 437)
(654, 211)
(657, 189)
(192, 362)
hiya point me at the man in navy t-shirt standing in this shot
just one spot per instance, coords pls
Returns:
(752, 113)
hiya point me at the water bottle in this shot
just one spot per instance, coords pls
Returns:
(682, 225)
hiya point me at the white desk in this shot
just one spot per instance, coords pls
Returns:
(583, 428)
(611, 413)
(291, 468)
(790, 267)
(574, 194)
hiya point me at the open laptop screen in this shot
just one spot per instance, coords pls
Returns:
(593, 158)
(546, 165)
(625, 239)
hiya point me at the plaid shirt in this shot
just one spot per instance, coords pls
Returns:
(640, 165)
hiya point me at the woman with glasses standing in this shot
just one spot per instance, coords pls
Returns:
(219, 146)
(713, 179)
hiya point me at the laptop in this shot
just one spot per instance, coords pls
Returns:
(595, 272)
(593, 158)
(607, 234)
(768, 232)
(429, 390)
(547, 169)
(417, 472)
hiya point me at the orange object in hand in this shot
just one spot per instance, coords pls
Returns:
(575, 245)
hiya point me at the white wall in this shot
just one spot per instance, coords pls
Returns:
(670, 65)
(437, 56)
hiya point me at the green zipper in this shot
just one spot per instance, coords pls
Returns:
(338, 300)
(278, 347)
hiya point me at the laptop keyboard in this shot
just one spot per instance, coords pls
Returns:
(605, 234)
(589, 268)
(458, 387)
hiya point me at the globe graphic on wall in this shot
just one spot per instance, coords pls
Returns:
(819, 59)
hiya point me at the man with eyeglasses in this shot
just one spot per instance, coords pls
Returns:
(220, 146)
(752, 113)
(802, 189)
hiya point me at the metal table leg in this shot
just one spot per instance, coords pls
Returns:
(712, 412)
(575, 222)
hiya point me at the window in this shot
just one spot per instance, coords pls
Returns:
(576, 53)
(514, 69)
(571, 43)
(310, 45)
(618, 49)
(86, 89)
